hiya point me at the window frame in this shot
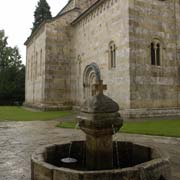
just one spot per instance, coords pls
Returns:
(156, 52)
(112, 55)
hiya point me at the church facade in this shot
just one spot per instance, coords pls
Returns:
(132, 45)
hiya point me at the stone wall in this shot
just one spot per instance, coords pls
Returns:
(58, 59)
(153, 86)
(48, 64)
(107, 22)
(177, 19)
(35, 68)
(177, 11)
(83, 5)
(61, 49)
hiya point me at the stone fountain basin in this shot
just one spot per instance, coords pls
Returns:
(137, 162)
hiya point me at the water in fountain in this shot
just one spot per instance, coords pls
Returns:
(69, 159)
(116, 146)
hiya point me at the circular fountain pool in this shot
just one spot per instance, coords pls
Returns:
(134, 162)
(99, 158)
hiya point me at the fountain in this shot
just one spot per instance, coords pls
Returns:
(99, 158)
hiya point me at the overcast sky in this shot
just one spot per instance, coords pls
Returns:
(16, 18)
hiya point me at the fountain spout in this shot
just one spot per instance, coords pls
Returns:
(98, 114)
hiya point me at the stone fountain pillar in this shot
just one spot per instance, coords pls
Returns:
(99, 119)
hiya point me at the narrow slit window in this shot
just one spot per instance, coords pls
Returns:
(112, 55)
(152, 54)
(158, 54)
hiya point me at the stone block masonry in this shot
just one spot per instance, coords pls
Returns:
(83, 33)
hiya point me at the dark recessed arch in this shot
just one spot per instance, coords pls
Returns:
(91, 76)
(91, 69)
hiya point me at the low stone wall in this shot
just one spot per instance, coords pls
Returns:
(150, 113)
(47, 107)
(145, 113)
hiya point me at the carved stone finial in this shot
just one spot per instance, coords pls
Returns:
(99, 87)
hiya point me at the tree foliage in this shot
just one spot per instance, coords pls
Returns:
(12, 73)
(41, 13)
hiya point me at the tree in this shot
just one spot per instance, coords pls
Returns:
(41, 14)
(12, 73)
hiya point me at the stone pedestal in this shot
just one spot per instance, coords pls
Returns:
(99, 152)
(99, 119)
(99, 128)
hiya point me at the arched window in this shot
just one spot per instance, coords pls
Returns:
(112, 55)
(156, 52)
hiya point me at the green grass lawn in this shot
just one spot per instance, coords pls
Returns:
(158, 127)
(13, 113)
(151, 127)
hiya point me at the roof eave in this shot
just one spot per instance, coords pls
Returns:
(88, 11)
(35, 32)
(45, 22)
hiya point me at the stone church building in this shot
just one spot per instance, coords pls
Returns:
(132, 45)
